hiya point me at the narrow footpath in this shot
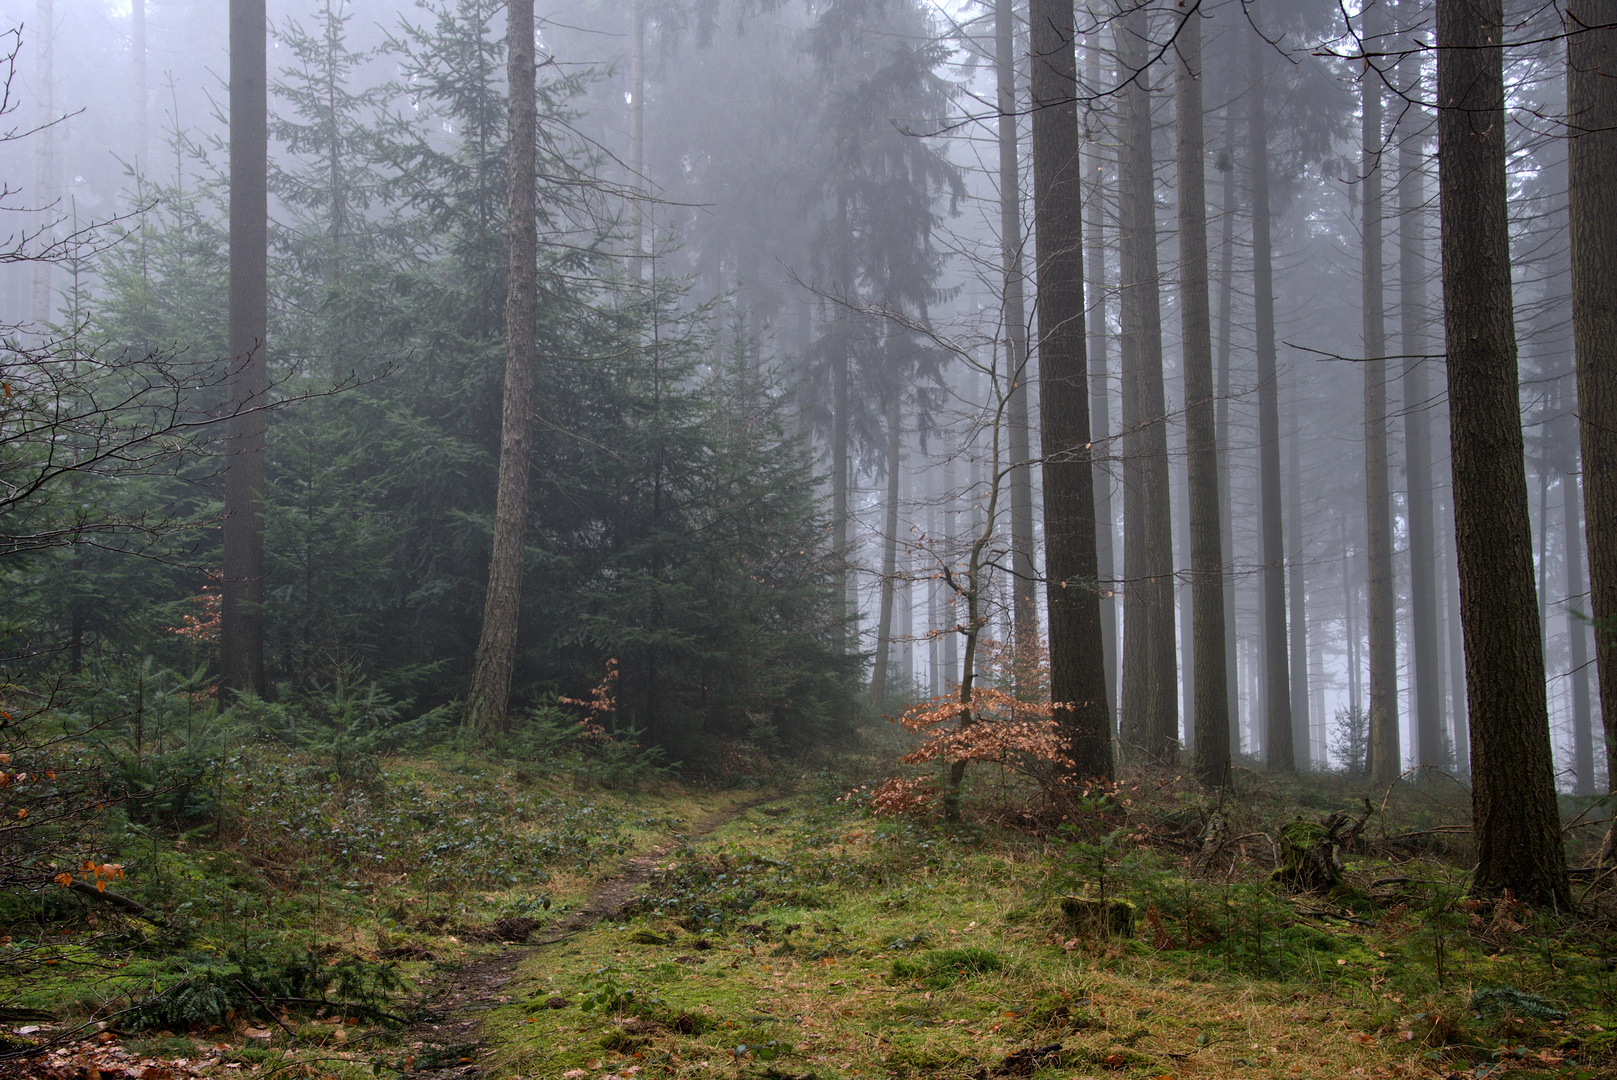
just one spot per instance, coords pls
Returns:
(448, 1045)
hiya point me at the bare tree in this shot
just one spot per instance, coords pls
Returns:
(1025, 617)
(241, 629)
(1426, 658)
(1212, 746)
(1148, 709)
(496, 647)
(1277, 686)
(1592, 167)
(1100, 420)
(1514, 817)
(1385, 761)
(1077, 675)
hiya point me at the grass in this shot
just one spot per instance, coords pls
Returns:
(807, 937)
(819, 941)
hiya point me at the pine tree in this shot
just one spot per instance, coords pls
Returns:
(1517, 827)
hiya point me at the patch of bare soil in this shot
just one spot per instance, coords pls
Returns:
(445, 1045)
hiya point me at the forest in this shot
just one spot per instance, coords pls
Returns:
(808, 539)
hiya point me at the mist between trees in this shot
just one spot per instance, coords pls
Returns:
(860, 334)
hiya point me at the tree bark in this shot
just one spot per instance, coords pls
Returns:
(1148, 720)
(1592, 164)
(1277, 680)
(137, 56)
(637, 140)
(1297, 599)
(496, 648)
(45, 153)
(1100, 419)
(1385, 756)
(241, 627)
(889, 559)
(1212, 744)
(1077, 673)
(847, 633)
(1024, 601)
(1583, 753)
(1456, 665)
(1514, 817)
(1431, 748)
(1226, 523)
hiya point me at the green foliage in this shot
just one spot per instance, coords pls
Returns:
(1495, 1001)
(211, 990)
(939, 968)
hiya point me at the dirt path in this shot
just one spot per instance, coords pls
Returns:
(447, 1044)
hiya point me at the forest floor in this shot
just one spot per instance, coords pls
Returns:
(457, 918)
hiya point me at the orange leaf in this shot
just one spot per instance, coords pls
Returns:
(64, 880)
(101, 886)
(22, 813)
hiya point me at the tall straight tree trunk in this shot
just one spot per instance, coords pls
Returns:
(1592, 164)
(1301, 730)
(1514, 817)
(1226, 514)
(1583, 753)
(934, 592)
(241, 626)
(490, 692)
(1385, 757)
(847, 630)
(1431, 747)
(1024, 601)
(637, 139)
(137, 56)
(1100, 419)
(45, 152)
(889, 557)
(1077, 662)
(1277, 681)
(1456, 666)
(1212, 745)
(1148, 706)
(1350, 624)
(951, 605)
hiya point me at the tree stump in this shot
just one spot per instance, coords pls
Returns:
(1114, 917)
(1311, 851)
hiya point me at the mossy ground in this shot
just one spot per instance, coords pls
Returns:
(806, 937)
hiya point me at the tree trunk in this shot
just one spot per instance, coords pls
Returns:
(1226, 523)
(637, 139)
(1592, 161)
(1277, 681)
(889, 559)
(241, 628)
(1456, 660)
(1077, 672)
(45, 153)
(951, 607)
(1100, 419)
(137, 55)
(1583, 753)
(1514, 817)
(934, 593)
(847, 632)
(1024, 602)
(1431, 748)
(1148, 707)
(1350, 625)
(1212, 744)
(496, 648)
(1297, 595)
(1382, 606)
